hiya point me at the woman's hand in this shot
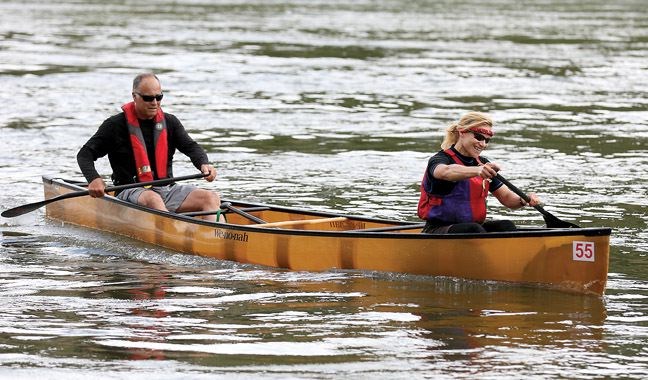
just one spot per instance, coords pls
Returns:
(488, 170)
(533, 200)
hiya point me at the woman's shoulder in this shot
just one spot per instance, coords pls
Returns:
(440, 157)
(439, 153)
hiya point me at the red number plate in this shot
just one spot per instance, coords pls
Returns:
(583, 251)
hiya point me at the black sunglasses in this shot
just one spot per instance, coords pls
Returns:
(149, 98)
(478, 137)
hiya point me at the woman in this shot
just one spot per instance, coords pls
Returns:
(457, 181)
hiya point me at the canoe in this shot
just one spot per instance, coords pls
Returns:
(572, 259)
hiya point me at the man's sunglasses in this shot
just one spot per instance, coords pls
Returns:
(149, 98)
(478, 137)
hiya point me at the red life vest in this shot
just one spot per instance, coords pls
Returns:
(466, 203)
(142, 164)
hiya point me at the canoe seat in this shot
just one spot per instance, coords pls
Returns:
(292, 223)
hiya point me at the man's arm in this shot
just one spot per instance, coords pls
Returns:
(188, 146)
(94, 148)
(185, 144)
(86, 159)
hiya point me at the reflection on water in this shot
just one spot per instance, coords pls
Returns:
(118, 306)
(332, 106)
(114, 300)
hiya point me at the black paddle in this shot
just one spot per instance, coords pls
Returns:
(551, 220)
(24, 209)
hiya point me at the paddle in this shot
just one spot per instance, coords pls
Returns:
(551, 220)
(24, 209)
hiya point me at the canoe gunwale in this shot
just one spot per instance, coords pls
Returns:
(520, 233)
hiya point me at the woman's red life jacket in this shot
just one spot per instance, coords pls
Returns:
(466, 203)
(142, 164)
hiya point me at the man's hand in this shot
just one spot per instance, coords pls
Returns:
(96, 188)
(208, 169)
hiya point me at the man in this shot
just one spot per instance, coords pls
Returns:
(140, 143)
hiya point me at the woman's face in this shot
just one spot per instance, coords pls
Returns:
(472, 142)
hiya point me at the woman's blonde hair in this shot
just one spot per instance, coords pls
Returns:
(467, 121)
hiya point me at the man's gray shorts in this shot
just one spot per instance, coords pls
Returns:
(172, 195)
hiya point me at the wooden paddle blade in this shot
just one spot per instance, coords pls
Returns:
(20, 210)
(553, 222)
(24, 209)
(16, 211)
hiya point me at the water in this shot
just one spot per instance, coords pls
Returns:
(333, 106)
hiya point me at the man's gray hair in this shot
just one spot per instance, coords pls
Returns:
(139, 77)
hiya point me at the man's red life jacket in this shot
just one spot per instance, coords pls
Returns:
(466, 203)
(144, 173)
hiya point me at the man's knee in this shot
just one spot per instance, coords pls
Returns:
(201, 200)
(151, 199)
(208, 197)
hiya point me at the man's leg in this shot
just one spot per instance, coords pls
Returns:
(143, 197)
(151, 199)
(201, 200)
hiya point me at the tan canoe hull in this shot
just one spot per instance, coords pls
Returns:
(571, 259)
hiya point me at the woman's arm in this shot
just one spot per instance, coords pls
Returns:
(513, 201)
(455, 172)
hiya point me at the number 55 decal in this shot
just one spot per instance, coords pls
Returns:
(583, 251)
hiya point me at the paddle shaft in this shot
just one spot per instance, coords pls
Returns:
(520, 193)
(20, 210)
(548, 217)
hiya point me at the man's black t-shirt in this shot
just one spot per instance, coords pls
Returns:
(112, 139)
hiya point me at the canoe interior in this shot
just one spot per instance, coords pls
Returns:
(292, 220)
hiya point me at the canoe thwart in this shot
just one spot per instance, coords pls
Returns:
(291, 223)
(392, 228)
(211, 212)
